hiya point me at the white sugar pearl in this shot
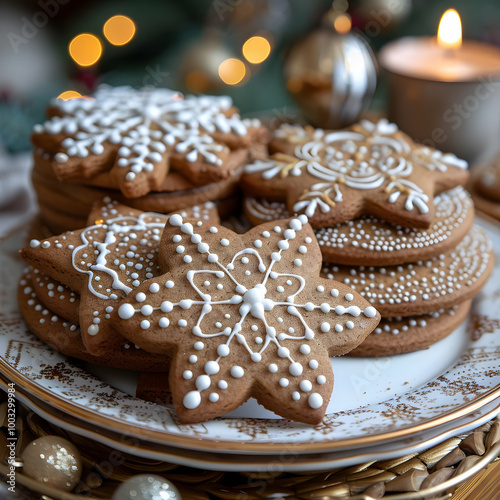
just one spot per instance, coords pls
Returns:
(146, 310)
(126, 311)
(295, 369)
(223, 350)
(305, 349)
(305, 385)
(284, 382)
(315, 401)
(237, 372)
(212, 367)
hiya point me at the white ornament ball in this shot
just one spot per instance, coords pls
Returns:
(146, 487)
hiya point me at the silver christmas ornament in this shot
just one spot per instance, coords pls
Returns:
(146, 487)
(332, 75)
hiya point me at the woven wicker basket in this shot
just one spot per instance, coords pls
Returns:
(434, 473)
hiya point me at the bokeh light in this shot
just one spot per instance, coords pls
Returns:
(232, 71)
(256, 49)
(342, 24)
(85, 49)
(119, 30)
(69, 94)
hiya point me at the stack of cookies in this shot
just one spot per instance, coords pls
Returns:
(75, 281)
(392, 219)
(364, 244)
(485, 188)
(222, 316)
(152, 149)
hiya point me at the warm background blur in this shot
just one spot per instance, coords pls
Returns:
(235, 47)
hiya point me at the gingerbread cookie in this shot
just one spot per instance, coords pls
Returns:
(373, 242)
(368, 169)
(65, 205)
(425, 286)
(138, 135)
(55, 296)
(245, 315)
(407, 334)
(64, 335)
(488, 206)
(114, 254)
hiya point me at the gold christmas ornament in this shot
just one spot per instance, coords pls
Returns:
(332, 73)
(54, 461)
(146, 487)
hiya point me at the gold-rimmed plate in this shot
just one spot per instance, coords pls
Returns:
(286, 460)
(375, 400)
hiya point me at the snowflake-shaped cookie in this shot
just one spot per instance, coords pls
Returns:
(104, 262)
(245, 315)
(140, 134)
(336, 176)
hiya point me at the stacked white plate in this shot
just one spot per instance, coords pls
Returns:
(381, 407)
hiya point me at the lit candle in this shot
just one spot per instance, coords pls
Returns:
(445, 92)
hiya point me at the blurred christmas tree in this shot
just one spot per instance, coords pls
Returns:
(235, 47)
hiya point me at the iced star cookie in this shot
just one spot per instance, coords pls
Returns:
(374, 242)
(245, 315)
(64, 335)
(139, 135)
(368, 169)
(407, 334)
(424, 286)
(104, 262)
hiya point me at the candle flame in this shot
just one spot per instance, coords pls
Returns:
(449, 34)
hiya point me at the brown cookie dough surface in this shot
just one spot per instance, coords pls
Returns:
(367, 169)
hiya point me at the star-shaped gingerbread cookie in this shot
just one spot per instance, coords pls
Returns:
(138, 135)
(245, 315)
(104, 262)
(368, 169)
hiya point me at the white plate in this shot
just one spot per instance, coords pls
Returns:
(374, 401)
(288, 460)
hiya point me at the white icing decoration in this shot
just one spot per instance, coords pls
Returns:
(315, 401)
(305, 386)
(368, 159)
(284, 382)
(93, 330)
(144, 124)
(273, 368)
(249, 303)
(237, 371)
(444, 277)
